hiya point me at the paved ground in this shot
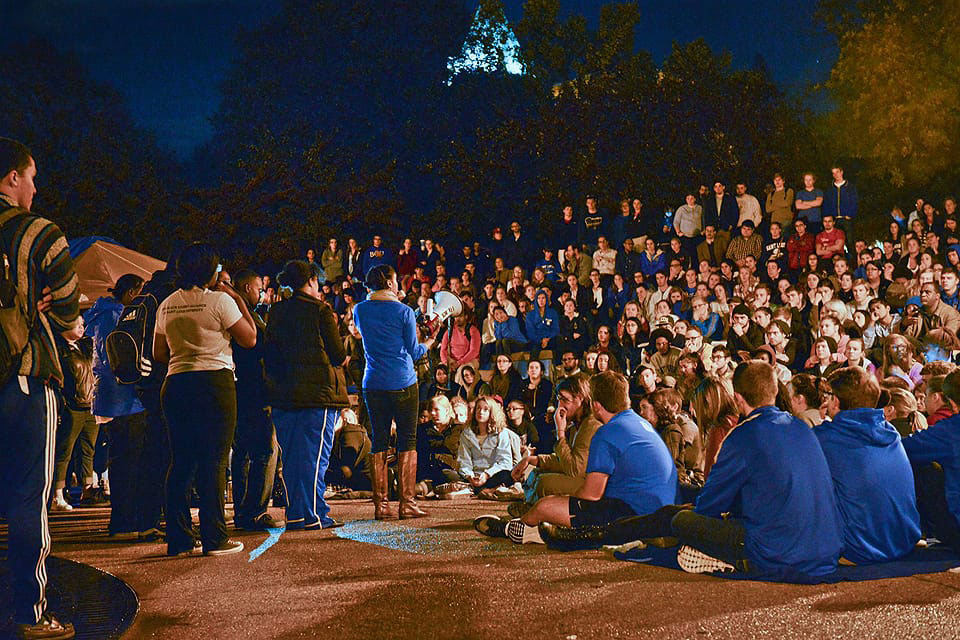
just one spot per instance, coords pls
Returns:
(436, 578)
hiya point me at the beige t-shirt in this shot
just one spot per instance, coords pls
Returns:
(194, 323)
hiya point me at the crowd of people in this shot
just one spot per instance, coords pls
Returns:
(722, 376)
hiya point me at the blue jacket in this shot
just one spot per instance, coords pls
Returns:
(550, 269)
(509, 330)
(772, 476)
(650, 267)
(873, 484)
(711, 328)
(538, 328)
(110, 398)
(389, 332)
(940, 443)
(840, 201)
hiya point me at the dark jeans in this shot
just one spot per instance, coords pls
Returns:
(935, 515)
(76, 426)
(201, 412)
(254, 462)
(716, 537)
(535, 348)
(384, 408)
(499, 479)
(157, 461)
(128, 475)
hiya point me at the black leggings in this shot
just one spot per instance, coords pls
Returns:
(201, 411)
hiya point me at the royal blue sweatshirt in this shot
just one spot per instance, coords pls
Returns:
(873, 484)
(771, 476)
(940, 443)
(389, 332)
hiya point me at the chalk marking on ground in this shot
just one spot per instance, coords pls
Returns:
(271, 540)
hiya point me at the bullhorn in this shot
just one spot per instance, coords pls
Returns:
(445, 305)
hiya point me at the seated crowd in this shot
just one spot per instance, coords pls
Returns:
(757, 382)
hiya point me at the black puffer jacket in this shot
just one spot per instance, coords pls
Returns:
(303, 354)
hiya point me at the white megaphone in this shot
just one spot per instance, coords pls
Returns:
(445, 305)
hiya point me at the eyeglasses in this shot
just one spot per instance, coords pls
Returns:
(515, 409)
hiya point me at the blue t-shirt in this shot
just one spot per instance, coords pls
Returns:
(811, 215)
(641, 470)
(771, 475)
(873, 483)
(389, 332)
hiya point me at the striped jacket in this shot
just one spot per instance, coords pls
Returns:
(40, 258)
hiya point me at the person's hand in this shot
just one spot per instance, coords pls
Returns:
(45, 301)
(517, 472)
(229, 290)
(560, 421)
(576, 336)
(737, 328)
(543, 343)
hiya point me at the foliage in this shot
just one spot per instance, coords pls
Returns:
(98, 174)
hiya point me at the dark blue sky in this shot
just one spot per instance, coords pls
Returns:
(168, 57)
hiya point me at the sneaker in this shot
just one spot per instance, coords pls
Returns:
(59, 503)
(227, 548)
(331, 523)
(94, 497)
(196, 550)
(450, 487)
(261, 523)
(48, 628)
(695, 561)
(152, 534)
(124, 536)
(509, 494)
(487, 494)
(490, 525)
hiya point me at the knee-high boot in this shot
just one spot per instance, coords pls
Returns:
(378, 482)
(407, 468)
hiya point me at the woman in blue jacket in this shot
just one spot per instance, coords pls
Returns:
(117, 406)
(389, 331)
(543, 325)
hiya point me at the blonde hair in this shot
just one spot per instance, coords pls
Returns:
(446, 409)
(497, 421)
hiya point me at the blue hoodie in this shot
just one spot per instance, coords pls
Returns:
(940, 443)
(771, 476)
(110, 398)
(873, 484)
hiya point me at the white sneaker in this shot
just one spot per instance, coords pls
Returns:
(522, 533)
(459, 493)
(695, 561)
(227, 548)
(59, 502)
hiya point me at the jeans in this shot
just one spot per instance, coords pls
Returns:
(254, 462)
(201, 412)
(75, 426)
(157, 445)
(384, 408)
(720, 538)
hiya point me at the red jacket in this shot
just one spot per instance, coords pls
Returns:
(798, 248)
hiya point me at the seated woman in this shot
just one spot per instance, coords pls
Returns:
(682, 438)
(485, 457)
(437, 460)
(350, 455)
(632, 345)
(473, 386)
(716, 413)
(506, 381)
(519, 422)
(805, 399)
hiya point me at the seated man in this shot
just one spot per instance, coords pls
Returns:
(349, 456)
(772, 480)
(872, 479)
(629, 471)
(938, 486)
(562, 472)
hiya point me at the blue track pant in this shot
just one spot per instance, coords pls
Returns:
(305, 437)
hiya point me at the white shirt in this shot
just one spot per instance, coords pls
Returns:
(749, 209)
(194, 323)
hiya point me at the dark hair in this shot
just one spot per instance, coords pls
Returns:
(126, 283)
(379, 277)
(196, 265)
(611, 391)
(13, 156)
(244, 276)
(854, 388)
(297, 273)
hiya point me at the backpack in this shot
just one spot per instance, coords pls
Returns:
(130, 346)
(14, 322)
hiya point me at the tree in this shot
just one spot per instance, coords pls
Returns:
(896, 86)
(98, 172)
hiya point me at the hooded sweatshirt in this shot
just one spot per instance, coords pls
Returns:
(873, 484)
(110, 398)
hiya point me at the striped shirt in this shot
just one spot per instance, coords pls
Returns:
(39, 257)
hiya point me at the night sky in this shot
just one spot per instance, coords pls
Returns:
(168, 57)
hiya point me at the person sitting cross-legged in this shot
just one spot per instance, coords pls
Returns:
(872, 478)
(768, 504)
(629, 471)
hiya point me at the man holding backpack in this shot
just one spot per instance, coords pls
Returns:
(38, 299)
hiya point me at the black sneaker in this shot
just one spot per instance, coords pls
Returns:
(195, 550)
(263, 522)
(48, 628)
(228, 547)
(491, 526)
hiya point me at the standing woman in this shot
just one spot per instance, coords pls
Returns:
(199, 397)
(307, 389)
(389, 331)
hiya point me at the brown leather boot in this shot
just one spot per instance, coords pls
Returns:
(378, 481)
(407, 468)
